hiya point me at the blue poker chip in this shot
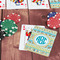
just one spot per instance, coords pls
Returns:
(51, 14)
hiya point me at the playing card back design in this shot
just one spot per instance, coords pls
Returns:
(41, 41)
(55, 3)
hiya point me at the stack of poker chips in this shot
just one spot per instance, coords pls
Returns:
(8, 26)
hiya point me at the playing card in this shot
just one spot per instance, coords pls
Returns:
(16, 4)
(55, 3)
(26, 31)
(2, 4)
(38, 4)
(41, 41)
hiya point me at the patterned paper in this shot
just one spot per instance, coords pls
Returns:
(41, 41)
(55, 3)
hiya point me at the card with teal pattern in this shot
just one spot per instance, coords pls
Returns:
(41, 41)
(55, 3)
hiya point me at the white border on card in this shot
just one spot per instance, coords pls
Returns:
(22, 36)
(3, 2)
(12, 5)
(35, 6)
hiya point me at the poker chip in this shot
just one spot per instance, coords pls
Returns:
(2, 34)
(9, 27)
(54, 22)
(13, 16)
(51, 14)
(4, 18)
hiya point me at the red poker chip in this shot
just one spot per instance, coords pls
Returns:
(4, 18)
(15, 17)
(54, 22)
